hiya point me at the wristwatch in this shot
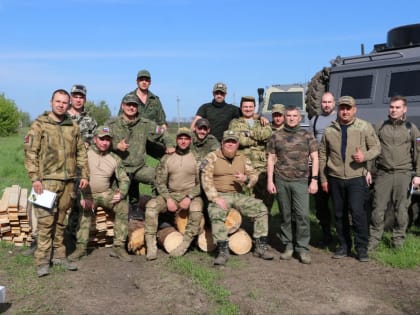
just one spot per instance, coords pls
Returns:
(316, 177)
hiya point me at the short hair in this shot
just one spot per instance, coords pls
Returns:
(60, 91)
(290, 108)
(247, 99)
(398, 98)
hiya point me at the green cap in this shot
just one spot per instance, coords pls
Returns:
(184, 131)
(220, 86)
(230, 135)
(131, 99)
(103, 131)
(347, 100)
(78, 88)
(278, 108)
(143, 73)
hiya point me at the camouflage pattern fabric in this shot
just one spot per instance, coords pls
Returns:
(292, 149)
(153, 108)
(87, 125)
(248, 206)
(204, 147)
(51, 222)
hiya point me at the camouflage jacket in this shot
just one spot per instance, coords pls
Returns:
(54, 150)
(87, 125)
(292, 149)
(136, 133)
(153, 108)
(175, 166)
(252, 140)
(217, 174)
(104, 167)
(202, 148)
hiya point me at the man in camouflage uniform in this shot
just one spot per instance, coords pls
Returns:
(178, 185)
(130, 133)
(277, 115)
(54, 150)
(203, 141)
(289, 150)
(253, 137)
(225, 172)
(104, 167)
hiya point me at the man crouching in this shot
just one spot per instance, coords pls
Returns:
(178, 185)
(224, 174)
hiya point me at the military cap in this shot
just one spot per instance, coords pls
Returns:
(220, 86)
(130, 99)
(103, 131)
(78, 88)
(184, 131)
(347, 100)
(202, 122)
(143, 73)
(278, 108)
(230, 135)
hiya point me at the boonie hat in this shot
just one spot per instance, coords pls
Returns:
(230, 135)
(143, 73)
(78, 88)
(184, 131)
(131, 99)
(347, 100)
(220, 86)
(278, 108)
(202, 122)
(103, 131)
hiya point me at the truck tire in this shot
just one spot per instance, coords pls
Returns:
(316, 88)
(404, 36)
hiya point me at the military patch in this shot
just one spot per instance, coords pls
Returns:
(418, 140)
(203, 164)
(159, 130)
(26, 139)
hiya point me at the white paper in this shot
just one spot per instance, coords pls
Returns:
(46, 199)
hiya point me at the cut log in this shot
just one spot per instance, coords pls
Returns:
(233, 221)
(240, 242)
(135, 242)
(205, 241)
(181, 221)
(169, 238)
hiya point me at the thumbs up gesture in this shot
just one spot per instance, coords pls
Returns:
(358, 156)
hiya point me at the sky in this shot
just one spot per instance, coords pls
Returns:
(187, 45)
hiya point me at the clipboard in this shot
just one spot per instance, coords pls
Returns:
(45, 200)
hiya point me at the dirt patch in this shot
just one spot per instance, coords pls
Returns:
(104, 285)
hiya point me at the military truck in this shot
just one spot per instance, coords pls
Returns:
(392, 68)
(286, 94)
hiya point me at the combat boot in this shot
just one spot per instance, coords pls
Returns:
(65, 263)
(121, 253)
(31, 250)
(182, 248)
(43, 270)
(261, 249)
(151, 248)
(77, 254)
(222, 253)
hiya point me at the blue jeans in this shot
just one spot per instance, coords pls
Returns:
(350, 196)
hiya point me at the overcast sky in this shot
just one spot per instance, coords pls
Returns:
(187, 45)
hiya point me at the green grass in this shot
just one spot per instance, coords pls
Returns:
(206, 279)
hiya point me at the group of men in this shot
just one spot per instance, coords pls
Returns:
(229, 157)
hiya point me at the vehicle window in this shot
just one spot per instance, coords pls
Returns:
(405, 83)
(358, 87)
(286, 98)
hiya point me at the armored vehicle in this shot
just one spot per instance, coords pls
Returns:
(392, 68)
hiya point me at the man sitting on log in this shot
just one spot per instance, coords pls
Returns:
(224, 175)
(104, 166)
(178, 185)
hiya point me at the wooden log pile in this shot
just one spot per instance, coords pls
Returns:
(14, 219)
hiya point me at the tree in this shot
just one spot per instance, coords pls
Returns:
(25, 119)
(100, 112)
(9, 117)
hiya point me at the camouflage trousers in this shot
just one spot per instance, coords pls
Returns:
(145, 175)
(121, 218)
(50, 223)
(158, 205)
(248, 206)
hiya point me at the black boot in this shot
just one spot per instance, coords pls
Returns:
(222, 253)
(261, 249)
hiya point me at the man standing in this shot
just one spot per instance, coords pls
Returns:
(277, 115)
(218, 112)
(178, 185)
(346, 146)
(54, 150)
(203, 141)
(224, 175)
(399, 158)
(317, 125)
(104, 167)
(289, 150)
(130, 134)
(253, 138)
